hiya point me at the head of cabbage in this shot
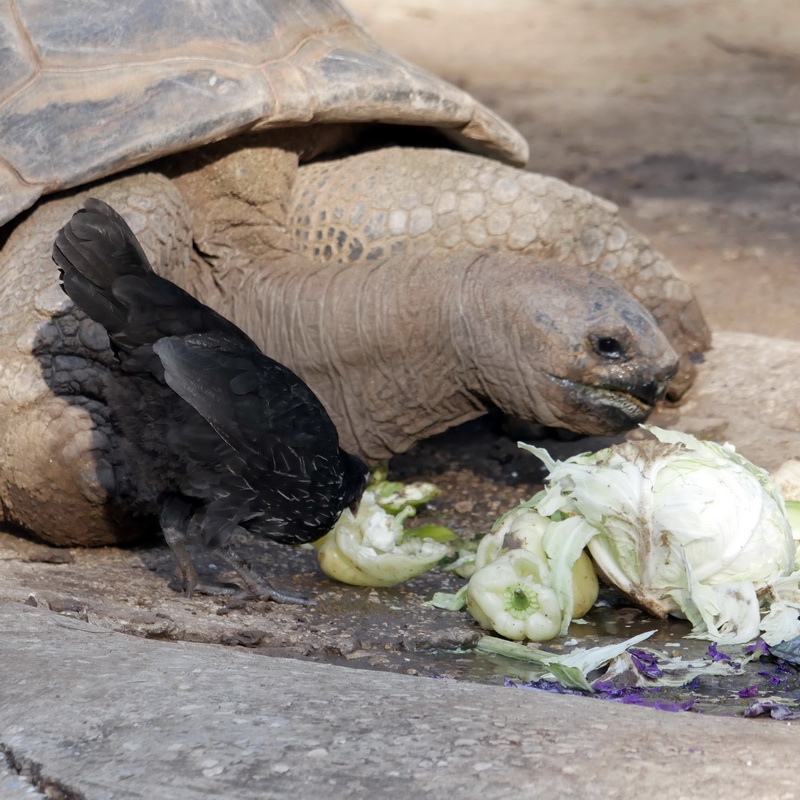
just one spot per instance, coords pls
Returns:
(682, 526)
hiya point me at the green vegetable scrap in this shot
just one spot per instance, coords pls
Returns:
(570, 669)
(372, 547)
(449, 601)
(629, 672)
(793, 512)
(394, 496)
(464, 563)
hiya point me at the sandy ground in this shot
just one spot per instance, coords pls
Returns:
(684, 112)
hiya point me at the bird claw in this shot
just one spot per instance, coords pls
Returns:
(189, 588)
(256, 587)
(267, 592)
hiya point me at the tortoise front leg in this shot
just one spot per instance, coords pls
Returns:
(69, 473)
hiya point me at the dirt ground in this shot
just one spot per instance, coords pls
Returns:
(683, 112)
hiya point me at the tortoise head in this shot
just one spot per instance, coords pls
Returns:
(569, 347)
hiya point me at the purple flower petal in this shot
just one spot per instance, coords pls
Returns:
(716, 655)
(542, 685)
(645, 663)
(633, 695)
(758, 646)
(648, 701)
(784, 712)
(605, 690)
(750, 691)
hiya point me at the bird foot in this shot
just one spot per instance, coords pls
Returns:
(257, 587)
(267, 592)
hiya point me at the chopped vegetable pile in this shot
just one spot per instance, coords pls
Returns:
(682, 527)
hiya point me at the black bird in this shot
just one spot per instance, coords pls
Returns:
(250, 444)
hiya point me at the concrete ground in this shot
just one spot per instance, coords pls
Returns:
(97, 715)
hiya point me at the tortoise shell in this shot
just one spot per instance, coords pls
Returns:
(91, 89)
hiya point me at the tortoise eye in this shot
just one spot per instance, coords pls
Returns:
(609, 347)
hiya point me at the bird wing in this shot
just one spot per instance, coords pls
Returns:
(259, 407)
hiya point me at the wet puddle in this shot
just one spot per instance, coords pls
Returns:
(729, 694)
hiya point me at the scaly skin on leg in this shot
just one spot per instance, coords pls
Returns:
(175, 520)
(66, 473)
(426, 201)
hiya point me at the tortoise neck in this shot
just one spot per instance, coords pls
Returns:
(375, 342)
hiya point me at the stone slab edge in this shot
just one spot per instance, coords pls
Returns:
(107, 716)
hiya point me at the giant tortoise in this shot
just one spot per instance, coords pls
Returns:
(365, 222)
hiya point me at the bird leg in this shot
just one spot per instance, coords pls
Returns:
(256, 585)
(175, 517)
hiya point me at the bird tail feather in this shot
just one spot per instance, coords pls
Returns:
(107, 275)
